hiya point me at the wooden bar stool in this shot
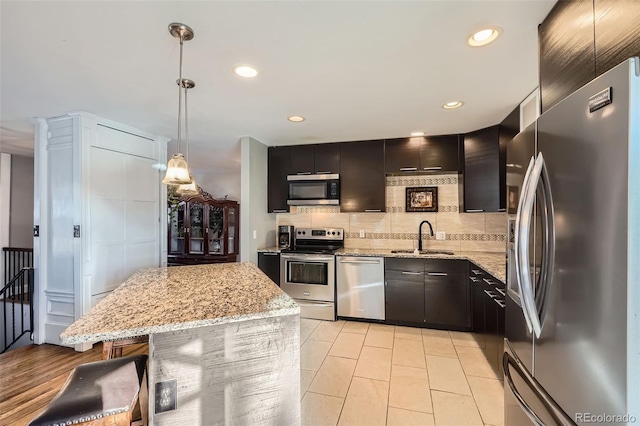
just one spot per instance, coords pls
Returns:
(113, 348)
(102, 393)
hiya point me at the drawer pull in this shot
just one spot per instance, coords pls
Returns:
(432, 168)
(408, 169)
(411, 273)
(476, 271)
(373, 211)
(279, 211)
(303, 173)
(500, 303)
(474, 211)
(267, 253)
(488, 281)
(474, 279)
(323, 173)
(491, 294)
(437, 274)
(501, 291)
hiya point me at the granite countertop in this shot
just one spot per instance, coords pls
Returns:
(494, 263)
(165, 299)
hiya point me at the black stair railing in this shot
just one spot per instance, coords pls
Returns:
(17, 300)
(14, 260)
(16, 297)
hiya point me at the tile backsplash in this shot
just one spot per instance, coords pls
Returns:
(397, 229)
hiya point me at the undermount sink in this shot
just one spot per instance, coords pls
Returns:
(450, 253)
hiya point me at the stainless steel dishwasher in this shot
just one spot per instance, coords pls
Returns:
(360, 282)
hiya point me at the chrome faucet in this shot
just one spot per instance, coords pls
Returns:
(420, 233)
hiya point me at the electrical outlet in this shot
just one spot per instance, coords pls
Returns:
(362, 233)
(440, 235)
(255, 234)
(166, 395)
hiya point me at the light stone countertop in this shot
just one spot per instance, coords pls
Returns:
(494, 263)
(165, 299)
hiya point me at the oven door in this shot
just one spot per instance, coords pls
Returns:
(308, 276)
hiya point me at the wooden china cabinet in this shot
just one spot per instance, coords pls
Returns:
(202, 229)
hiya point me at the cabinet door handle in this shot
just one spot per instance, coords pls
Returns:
(476, 271)
(491, 294)
(500, 303)
(474, 211)
(323, 173)
(373, 210)
(437, 274)
(488, 281)
(411, 273)
(303, 173)
(268, 253)
(408, 169)
(502, 210)
(279, 211)
(473, 279)
(501, 291)
(432, 168)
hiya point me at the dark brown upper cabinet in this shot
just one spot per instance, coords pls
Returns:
(327, 158)
(314, 159)
(617, 32)
(439, 153)
(362, 180)
(509, 128)
(277, 188)
(402, 155)
(566, 46)
(302, 160)
(481, 180)
(422, 154)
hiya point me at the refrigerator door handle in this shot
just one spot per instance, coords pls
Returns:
(528, 295)
(507, 361)
(549, 243)
(559, 416)
(518, 236)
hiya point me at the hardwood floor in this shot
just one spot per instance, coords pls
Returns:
(31, 376)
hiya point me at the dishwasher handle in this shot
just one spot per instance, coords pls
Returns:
(369, 262)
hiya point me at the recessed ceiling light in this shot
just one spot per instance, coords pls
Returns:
(296, 118)
(484, 36)
(453, 105)
(417, 133)
(245, 71)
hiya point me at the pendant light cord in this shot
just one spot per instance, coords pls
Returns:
(180, 96)
(186, 121)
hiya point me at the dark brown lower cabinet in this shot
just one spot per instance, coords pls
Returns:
(269, 263)
(427, 292)
(404, 296)
(488, 314)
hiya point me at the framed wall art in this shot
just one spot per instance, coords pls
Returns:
(422, 199)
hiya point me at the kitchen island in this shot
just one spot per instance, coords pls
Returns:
(222, 337)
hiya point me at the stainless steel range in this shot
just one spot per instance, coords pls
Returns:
(308, 271)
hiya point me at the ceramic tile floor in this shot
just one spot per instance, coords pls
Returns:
(355, 373)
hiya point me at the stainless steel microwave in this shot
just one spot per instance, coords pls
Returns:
(313, 190)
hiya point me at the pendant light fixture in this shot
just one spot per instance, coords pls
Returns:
(177, 169)
(188, 188)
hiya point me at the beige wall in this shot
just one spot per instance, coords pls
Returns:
(254, 219)
(397, 229)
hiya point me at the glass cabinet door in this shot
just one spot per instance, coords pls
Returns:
(216, 229)
(176, 228)
(232, 230)
(196, 228)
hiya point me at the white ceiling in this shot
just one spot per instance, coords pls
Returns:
(356, 70)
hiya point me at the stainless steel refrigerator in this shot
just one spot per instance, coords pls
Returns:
(572, 347)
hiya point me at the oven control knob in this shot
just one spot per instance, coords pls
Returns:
(333, 233)
(338, 232)
(304, 232)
